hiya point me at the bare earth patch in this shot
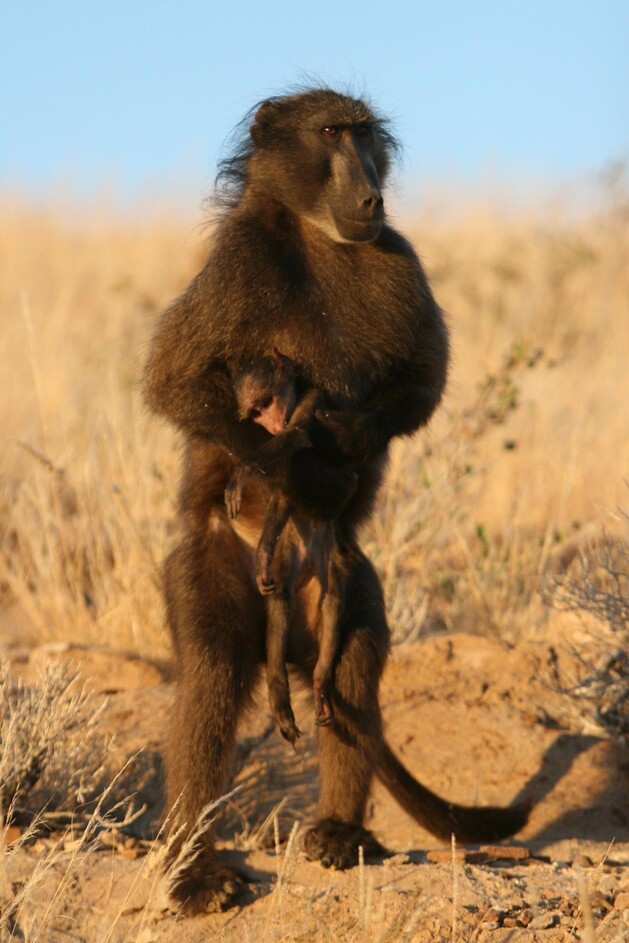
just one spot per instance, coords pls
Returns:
(472, 717)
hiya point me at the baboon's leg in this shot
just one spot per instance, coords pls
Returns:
(349, 748)
(217, 623)
(278, 619)
(274, 522)
(329, 635)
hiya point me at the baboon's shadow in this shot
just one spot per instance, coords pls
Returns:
(607, 814)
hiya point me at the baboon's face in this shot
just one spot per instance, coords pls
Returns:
(325, 161)
(349, 206)
(267, 394)
(273, 409)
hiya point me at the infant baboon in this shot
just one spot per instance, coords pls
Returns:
(290, 547)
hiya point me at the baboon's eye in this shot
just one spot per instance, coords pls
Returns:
(361, 129)
(265, 403)
(331, 130)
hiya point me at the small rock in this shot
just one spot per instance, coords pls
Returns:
(461, 856)
(132, 852)
(493, 916)
(506, 852)
(108, 837)
(621, 901)
(608, 885)
(396, 859)
(600, 902)
(524, 917)
(544, 921)
(509, 922)
(583, 861)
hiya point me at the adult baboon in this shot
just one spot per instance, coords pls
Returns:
(303, 259)
(291, 549)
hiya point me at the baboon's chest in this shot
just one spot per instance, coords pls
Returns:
(345, 353)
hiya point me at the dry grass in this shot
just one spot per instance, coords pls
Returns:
(527, 454)
(529, 449)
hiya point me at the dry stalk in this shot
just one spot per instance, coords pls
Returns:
(585, 908)
(455, 890)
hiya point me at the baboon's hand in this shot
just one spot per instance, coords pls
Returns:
(300, 439)
(233, 491)
(233, 497)
(344, 434)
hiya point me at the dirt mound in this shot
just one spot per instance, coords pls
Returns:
(473, 718)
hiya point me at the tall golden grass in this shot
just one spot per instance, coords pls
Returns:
(529, 448)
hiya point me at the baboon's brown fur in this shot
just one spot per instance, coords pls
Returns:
(303, 258)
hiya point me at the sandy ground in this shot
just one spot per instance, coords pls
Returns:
(473, 718)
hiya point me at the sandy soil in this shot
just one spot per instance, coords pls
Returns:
(473, 718)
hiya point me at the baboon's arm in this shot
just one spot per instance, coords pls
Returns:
(399, 408)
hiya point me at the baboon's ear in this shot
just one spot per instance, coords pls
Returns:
(265, 118)
(283, 362)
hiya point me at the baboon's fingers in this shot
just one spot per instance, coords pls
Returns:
(206, 886)
(324, 714)
(266, 585)
(233, 500)
(291, 732)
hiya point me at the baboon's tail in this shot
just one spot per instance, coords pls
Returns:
(442, 818)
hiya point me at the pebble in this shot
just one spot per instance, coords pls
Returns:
(608, 885)
(393, 860)
(621, 901)
(493, 915)
(506, 852)
(461, 856)
(544, 921)
(600, 902)
(108, 837)
(583, 861)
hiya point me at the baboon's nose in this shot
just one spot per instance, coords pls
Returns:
(373, 201)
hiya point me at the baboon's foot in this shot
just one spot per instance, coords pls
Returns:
(206, 886)
(286, 725)
(264, 581)
(266, 584)
(279, 699)
(324, 712)
(335, 844)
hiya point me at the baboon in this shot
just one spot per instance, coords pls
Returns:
(290, 547)
(302, 258)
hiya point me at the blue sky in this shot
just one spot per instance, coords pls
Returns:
(141, 95)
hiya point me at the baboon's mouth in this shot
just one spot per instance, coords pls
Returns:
(374, 217)
(361, 230)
